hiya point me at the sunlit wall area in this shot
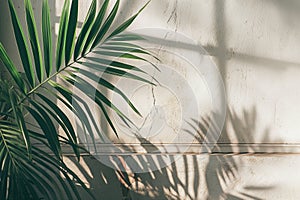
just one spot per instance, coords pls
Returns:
(255, 46)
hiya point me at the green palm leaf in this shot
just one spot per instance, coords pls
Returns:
(28, 105)
(34, 40)
(47, 39)
(11, 68)
(61, 38)
(30, 176)
(95, 27)
(127, 23)
(71, 31)
(106, 25)
(87, 24)
(20, 120)
(22, 45)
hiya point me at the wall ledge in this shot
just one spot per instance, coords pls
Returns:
(185, 149)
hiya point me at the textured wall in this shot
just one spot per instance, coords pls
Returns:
(255, 44)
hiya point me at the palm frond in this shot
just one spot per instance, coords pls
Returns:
(69, 48)
(106, 25)
(9, 65)
(47, 39)
(95, 27)
(22, 45)
(29, 110)
(86, 27)
(61, 38)
(34, 40)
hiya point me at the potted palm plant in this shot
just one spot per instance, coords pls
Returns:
(29, 111)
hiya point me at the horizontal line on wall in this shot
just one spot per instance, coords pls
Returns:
(181, 148)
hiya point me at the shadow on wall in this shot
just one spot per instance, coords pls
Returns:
(197, 178)
(204, 176)
(288, 10)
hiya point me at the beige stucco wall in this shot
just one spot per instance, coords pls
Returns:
(256, 46)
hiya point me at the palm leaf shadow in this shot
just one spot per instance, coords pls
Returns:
(220, 172)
